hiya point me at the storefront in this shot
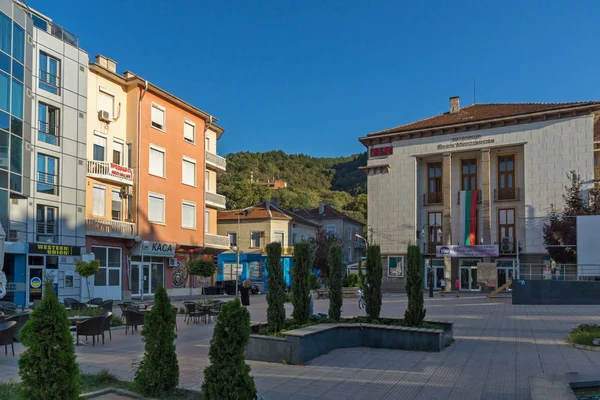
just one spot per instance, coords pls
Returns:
(253, 268)
(438, 272)
(57, 262)
(148, 264)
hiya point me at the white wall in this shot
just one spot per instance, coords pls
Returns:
(588, 237)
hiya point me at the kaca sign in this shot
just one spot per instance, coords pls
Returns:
(160, 249)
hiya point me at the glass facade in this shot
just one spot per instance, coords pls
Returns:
(14, 107)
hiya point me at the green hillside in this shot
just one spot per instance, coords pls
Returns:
(336, 181)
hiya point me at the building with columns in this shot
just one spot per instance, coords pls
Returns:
(474, 185)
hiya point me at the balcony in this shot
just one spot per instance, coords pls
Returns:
(216, 241)
(110, 172)
(506, 194)
(433, 198)
(216, 162)
(478, 197)
(110, 228)
(47, 183)
(215, 200)
(48, 133)
(46, 232)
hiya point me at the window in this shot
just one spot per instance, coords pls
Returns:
(232, 238)
(98, 200)
(434, 225)
(434, 183)
(468, 172)
(395, 267)
(118, 153)
(4, 92)
(117, 205)
(106, 102)
(206, 221)
(331, 230)
(18, 43)
(46, 227)
(17, 99)
(189, 131)
(129, 154)
(349, 230)
(158, 117)
(255, 239)
(5, 33)
(69, 279)
(506, 223)
(207, 144)
(506, 177)
(188, 172)
(48, 118)
(157, 161)
(99, 148)
(188, 214)
(279, 237)
(206, 181)
(294, 235)
(49, 73)
(109, 271)
(47, 174)
(129, 207)
(156, 208)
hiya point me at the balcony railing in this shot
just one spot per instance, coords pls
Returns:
(48, 133)
(216, 241)
(108, 227)
(47, 183)
(433, 198)
(216, 162)
(506, 194)
(49, 82)
(215, 200)
(46, 232)
(478, 197)
(110, 172)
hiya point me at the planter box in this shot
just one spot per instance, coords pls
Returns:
(301, 345)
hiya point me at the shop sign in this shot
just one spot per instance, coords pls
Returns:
(483, 250)
(160, 249)
(54, 249)
(121, 171)
(465, 141)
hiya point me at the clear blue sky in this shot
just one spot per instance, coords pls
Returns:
(311, 76)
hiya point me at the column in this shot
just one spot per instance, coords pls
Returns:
(447, 214)
(485, 197)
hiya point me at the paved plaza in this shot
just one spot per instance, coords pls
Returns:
(498, 346)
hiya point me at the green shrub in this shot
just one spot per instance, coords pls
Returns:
(158, 372)
(289, 297)
(373, 278)
(48, 366)
(300, 282)
(415, 313)
(228, 376)
(360, 281)
(87, 269)
(314, 284)
(336, 267)
(584, 334)
(351, 280)
(276, 293)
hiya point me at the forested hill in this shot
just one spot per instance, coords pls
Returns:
(336, 181)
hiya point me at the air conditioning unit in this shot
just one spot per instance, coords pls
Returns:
(507, 245)
(104, 115)
(126, 191)
(173, 262)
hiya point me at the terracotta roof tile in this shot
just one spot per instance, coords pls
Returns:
(261, 211)
(482, 112)
(329, 213)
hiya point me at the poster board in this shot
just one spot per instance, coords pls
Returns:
(486, 275)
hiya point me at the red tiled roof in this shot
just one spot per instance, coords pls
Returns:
(329, 212)
(261, 211)
(483, 112)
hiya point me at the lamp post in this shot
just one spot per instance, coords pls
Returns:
(145, 243)
(430, 271)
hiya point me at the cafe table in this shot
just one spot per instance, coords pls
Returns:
(74, 319)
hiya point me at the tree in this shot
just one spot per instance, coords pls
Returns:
(228, 376)
(319, 247)
(560, 233)
(334, 282)
(276, 293)
(415, 313)
(87, 269)
(201, 268)
(158, 372)
(48, 366)
(300, 283)
(373, 280)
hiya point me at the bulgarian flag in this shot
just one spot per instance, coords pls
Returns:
(468, 217)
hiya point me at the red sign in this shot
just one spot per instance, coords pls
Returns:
(381, 151)
(121, 171)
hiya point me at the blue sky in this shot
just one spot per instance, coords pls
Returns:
(311, 76)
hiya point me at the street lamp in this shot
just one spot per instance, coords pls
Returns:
(145, 244)
(361, 238)
(430, 272)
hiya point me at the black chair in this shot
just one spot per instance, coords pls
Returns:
(123, 306)
(21, 319)
(107, 306)
(96, 301)
(7, 336)
(215, 309)
(74, 304)
(106, 327)
(190, 312)
(7, 310)
(133, 319)
(8, 304)
(91, 327)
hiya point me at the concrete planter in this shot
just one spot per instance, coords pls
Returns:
(301, 345)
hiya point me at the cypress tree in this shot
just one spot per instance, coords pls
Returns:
(228, 376)
(334, 281)
(300, 282)
(415, 313)
(158, 372)
(373, 282)
(48, 366)
(276, 293)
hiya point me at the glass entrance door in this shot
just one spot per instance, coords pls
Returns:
(504, 272)
(438, 272)
(145, 278)
(468, 274)
(35, 284)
